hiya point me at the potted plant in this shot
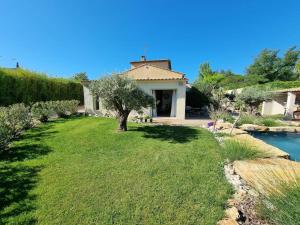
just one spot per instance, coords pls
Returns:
(146, 118)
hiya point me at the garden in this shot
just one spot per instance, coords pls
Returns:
(81, 171)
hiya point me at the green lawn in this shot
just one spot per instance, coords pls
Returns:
(82, 171)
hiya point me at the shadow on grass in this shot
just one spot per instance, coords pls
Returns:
(28, 146)
(15, 183)
(18, 178)
(172, 134)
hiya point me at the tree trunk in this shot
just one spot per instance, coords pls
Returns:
(123, 121)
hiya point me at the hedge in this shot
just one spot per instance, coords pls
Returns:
(24, 86)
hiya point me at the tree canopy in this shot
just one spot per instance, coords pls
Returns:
(122, 95)
(269, 66)
(253, 97)
(80, 76)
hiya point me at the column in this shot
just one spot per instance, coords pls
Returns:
(290, 103)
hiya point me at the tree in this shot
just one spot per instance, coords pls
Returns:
(219, 106)
(80, 76)
(297, 69)
(270, 67)
(253, 97)
(121, 95)
(205, 71)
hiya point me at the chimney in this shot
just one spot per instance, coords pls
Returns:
(143, 58)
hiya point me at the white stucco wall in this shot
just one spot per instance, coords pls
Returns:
(148, 86)
(272, 108)
(88, 100)
(178, 86)
(276, 106)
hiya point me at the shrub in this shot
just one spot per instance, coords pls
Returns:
(228, 118)
(19, 118)
(64, 108)
(71, 106)
(42, 111)
(59, 108)
(13, 120)
(246, 119)
(234, 150)
(5, 131)
(269, 122)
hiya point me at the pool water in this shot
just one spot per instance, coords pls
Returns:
(288, 142)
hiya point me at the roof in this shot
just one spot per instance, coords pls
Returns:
(151, 61)
(297, 89)
(151, 72)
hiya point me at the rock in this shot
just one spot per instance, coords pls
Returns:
(235, 131)
(285, 129)
(232, 202)
(253, 127)
(224, 125)
(232, 213)
(227, 221)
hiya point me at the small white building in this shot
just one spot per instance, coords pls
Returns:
(156, 78)
(285, 102)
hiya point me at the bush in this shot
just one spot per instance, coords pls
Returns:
(5, 131)
(19, 85)
(72, 106)
(13, 120)
(59, 108)
(234, 150)
(246, 119)
(228, 118)
(19, 118)
(64, 108)
(269, 122)
(42, 111)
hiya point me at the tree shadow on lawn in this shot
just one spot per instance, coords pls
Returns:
(18, 178)
(15, 199)
(172, 134)
(28, 146)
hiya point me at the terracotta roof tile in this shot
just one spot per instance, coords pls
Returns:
(151, 72)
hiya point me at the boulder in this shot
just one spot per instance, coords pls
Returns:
(285, 129)
(222, 126)
(254, 127)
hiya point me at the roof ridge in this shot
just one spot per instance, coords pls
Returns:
(155, 67)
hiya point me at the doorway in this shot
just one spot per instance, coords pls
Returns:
(163, 102)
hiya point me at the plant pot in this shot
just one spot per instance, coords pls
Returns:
(146, 120)
(151, 120)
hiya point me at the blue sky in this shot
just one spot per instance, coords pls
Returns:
(64, 37)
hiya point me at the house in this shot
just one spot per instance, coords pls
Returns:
(285, 102)
(156, 78)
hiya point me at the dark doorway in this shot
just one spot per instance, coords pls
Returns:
(163, 102)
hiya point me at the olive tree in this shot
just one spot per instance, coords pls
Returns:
(219, 106)
(121, 95)
(253, 97)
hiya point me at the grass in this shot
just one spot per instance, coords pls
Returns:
(234, 150)
(81, 171)
(282, 209)
(269, 121)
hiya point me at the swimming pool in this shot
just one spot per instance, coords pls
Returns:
(288, 142)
